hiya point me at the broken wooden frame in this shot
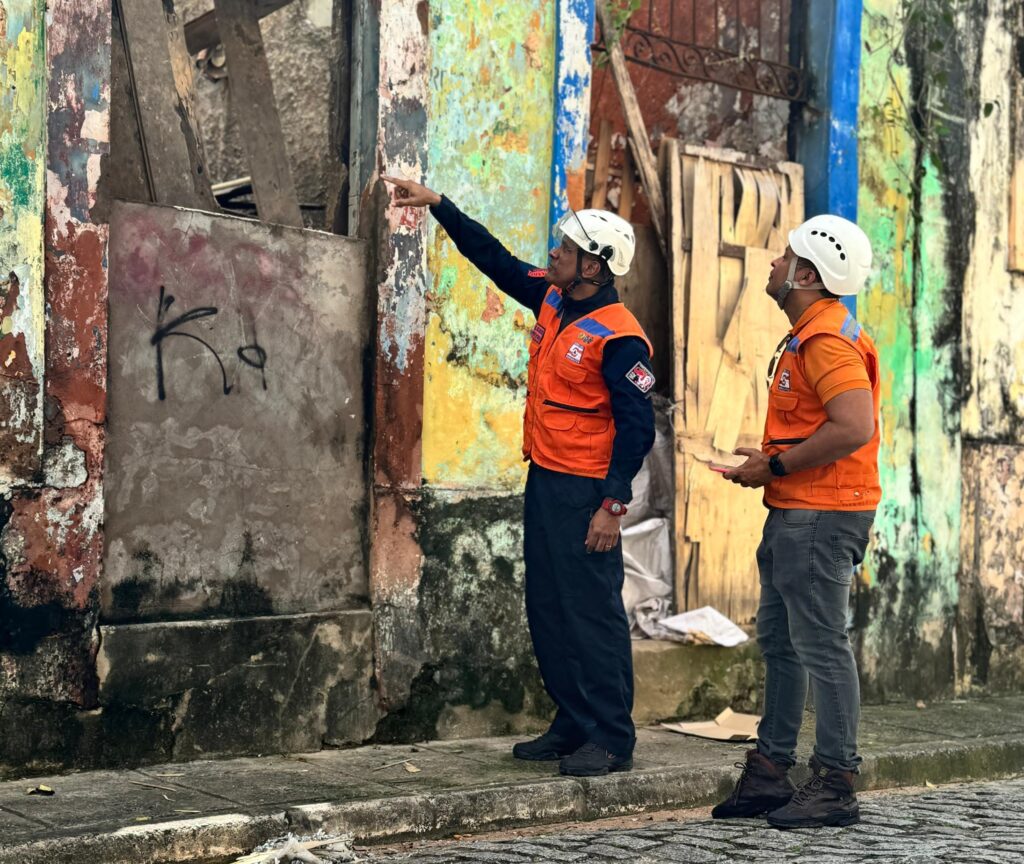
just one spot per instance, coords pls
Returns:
(156, 130)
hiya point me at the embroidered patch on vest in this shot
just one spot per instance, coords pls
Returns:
(536, 274)
(641, 377)
(784, 382)
(585, 338)
(538, 333)
(575, 353)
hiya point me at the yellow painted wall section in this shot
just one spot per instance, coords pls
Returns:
(490, 130)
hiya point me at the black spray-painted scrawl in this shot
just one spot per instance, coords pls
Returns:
(252, 355)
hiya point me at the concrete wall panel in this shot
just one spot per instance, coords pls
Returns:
(236, 480)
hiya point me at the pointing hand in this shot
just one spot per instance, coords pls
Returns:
(410, 194)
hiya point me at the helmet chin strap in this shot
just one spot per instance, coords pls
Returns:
(579, 280)
(788, 285)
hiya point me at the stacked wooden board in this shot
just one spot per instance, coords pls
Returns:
(727, 219)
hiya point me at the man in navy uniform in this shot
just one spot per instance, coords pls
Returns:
(588, 424)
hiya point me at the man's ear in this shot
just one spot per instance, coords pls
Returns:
(590, 267)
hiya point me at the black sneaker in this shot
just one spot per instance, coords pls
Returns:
(592, 760)
(826, 798)
(763, 786)
(549, 747)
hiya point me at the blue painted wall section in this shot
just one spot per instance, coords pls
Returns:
(575, 30)
(827, 138)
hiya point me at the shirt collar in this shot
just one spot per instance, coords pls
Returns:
(812, 311)
(605, 296)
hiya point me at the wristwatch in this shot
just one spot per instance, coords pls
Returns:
(776, 467)
(614, 506)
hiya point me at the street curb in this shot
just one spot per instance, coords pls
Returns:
(553, 800)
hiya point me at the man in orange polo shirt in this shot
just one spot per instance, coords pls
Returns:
(818, 466)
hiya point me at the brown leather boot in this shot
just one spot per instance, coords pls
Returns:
(826, 798)
(763, 786)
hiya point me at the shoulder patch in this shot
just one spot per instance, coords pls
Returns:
(641, 377)
(537, 274)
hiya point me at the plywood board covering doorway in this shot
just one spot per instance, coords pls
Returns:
(728, 218)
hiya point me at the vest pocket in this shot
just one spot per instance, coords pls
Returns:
(592, 425)
(783, 401)
(570, 371)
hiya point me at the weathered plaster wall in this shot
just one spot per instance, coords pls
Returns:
(22, 192)
(446, 560)
(490, 132)
(991, 630)
(911, 191)
(235, 481)
(50, 530)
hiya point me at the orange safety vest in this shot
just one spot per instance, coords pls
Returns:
(795, 413)
(568, 424)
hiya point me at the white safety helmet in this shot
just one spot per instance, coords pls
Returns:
(841, 252)
(602, 234)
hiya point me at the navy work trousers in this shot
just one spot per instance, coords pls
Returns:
(574, 608)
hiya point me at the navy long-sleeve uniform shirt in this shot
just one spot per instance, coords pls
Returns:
(632, 410)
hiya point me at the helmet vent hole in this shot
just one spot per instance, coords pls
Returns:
(814, 233)
(842, 256)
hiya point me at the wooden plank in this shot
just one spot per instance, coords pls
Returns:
(336, 215)
(1016, 226)
(733, 389)
(252, 92)
(702, 342)
(746, 216)
(204, 31)
(125, 177)
(638, 138)
(689, 165)
(767, 208)
(626, 195)
(677, 313)
(730, 269)
(602, 163)
(161, 77)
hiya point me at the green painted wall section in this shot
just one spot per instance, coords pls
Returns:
(906, 599)
(489, 133)
(22, 200)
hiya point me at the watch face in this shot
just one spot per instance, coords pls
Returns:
(616, 508)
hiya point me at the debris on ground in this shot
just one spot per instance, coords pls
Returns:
(330, 849)
(41, 790)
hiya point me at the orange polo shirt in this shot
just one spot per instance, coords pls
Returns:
(832, 365)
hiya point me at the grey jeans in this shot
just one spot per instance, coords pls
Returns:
(806, 560)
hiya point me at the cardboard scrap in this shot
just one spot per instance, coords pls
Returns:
(727, 726)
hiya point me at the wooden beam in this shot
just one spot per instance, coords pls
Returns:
(160, 70)
(638, 139)
(601, 165)
(628, 185)
(252, 97)
(204, 31)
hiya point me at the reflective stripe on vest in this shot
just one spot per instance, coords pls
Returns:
(795, 413)
(568, 424)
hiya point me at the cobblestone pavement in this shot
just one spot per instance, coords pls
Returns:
(968, 823)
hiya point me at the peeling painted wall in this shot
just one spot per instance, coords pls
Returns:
(490, 131)
(478, 126)
(991, 612)
(50, 532)
(22, 192)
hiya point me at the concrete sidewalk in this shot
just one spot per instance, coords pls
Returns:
(212, 811)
